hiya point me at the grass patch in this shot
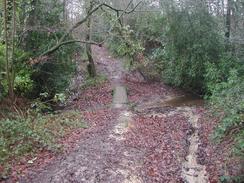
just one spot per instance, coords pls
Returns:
(23, 136)
(92, 82)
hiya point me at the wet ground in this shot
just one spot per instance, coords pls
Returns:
(139, 132)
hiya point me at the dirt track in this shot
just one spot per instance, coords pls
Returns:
(148, 142)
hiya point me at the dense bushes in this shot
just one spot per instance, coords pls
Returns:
(151, 28)
(125, 45)
(53, 75)
(23, 82)
(191, 42)
(195, 57)
(227, 100)
(42, 28)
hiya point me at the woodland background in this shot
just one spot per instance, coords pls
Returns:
(197, 45)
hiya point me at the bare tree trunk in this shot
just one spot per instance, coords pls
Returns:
(12, 79)
(65, 15)
(228, 20)
(91, 66)
(6, 38)
(9, 54)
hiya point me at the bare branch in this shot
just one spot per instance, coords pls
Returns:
(125, 12)
(56, 47)
(61, 41)
(80, 22)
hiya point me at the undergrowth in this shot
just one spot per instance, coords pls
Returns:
(21, 136)
(228, 100)
(92, 82)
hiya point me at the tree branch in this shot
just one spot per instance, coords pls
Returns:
(56, 47)
(61, 41)
(125, 12)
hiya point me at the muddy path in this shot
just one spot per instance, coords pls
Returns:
(146, 132)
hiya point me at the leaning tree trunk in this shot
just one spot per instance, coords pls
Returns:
(91, 68)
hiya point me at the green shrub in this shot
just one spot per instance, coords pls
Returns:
(125, 45)
(151, 29)
(228, 99)
(235, 179)
(219, 71)
(192, 40)
(52, 76)
(23, 83)
(3, 84)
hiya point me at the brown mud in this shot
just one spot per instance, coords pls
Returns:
(148, 132)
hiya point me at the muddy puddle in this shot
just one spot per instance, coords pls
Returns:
(165, 105)
(184, 100)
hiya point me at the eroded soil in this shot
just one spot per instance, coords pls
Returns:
(153, 137)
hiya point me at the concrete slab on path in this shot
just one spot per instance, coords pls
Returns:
(120, 96)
